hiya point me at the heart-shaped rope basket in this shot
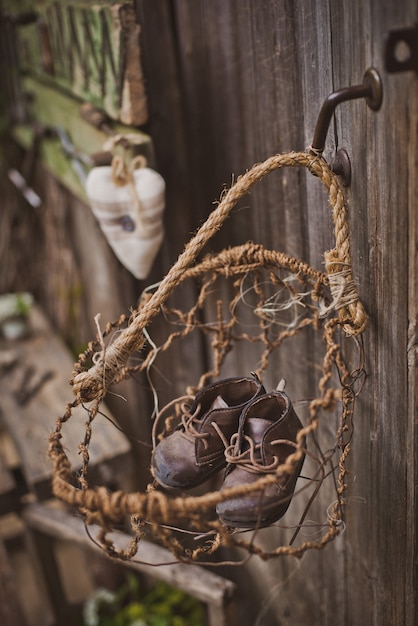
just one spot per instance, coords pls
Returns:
(275, 297)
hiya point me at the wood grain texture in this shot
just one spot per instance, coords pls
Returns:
(7, 482)
(228, 84)
(383, 148)
(253, 79)
(10, 610)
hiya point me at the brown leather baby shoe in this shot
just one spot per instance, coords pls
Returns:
(195, 450)
(257, 449)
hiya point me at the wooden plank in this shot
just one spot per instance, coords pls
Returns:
(382, 147)
(323, 573)
(11, 613)
(41, 551)
(12, 488)
(7, 482)
(411, 449)
(35, 392)
(198, 582)
(241, 75)
(360, 560)
(9, 495)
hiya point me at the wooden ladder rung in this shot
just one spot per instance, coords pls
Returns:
(213, 590)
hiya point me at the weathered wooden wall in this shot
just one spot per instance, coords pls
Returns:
(228, 84)
(252, 77)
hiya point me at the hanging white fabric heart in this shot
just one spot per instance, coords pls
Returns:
(129, 209)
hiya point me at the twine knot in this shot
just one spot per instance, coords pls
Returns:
(122, 174)
(345, 297)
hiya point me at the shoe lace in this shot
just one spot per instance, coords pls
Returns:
(250, 458)
(183, 400)
(189, 422)
(190, 432)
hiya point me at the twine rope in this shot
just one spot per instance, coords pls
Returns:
(155, 505)
(93, 384)
(343, 291)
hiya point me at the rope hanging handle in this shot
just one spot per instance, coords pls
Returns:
(93, 383)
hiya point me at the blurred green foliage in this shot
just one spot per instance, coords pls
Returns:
(130, 606)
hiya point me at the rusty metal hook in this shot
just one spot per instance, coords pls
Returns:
(370, 89)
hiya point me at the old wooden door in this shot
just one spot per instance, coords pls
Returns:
(251, 78)
(229, 83)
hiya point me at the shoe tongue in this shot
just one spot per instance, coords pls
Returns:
(218, 403)
(255, 427)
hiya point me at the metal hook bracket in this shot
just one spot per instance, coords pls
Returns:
(370, 89)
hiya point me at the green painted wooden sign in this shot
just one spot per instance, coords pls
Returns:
(90, 49)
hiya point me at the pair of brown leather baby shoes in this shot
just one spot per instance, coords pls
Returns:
(233, 424)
